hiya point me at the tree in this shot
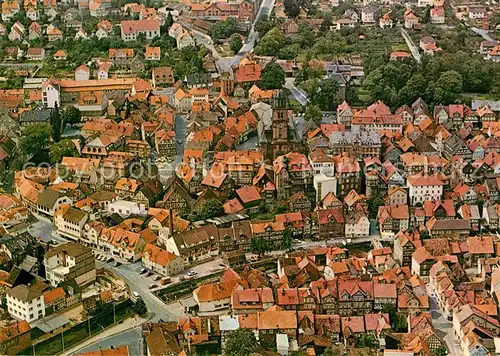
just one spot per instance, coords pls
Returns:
(448, 86)
(140, 307)
(241, 342)
(366, 340)
(373, 206)
(259, 246)
(293, 7)
(35, 139)
(273, 76)
(63, 148)
(326, 95)
(287, 238)
(235, 43)
(212, 208)
(313, 112)
(441, 351)
(223, 29)
(72, 115)
(271, 43)
(169, 21)
(55, 122)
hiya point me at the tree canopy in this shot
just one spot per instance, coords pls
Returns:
(223, 29)
(35, 138)
(72, 115)
(63, 148)
(241, 342)
(293, 7)
(212, 208)
(235, 43)
(273, 76)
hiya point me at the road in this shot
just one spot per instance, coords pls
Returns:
(413, 49)
(132, 338)
(485, 34)
(265, 9)
(203, 39)
(297, 93)
(444, 328)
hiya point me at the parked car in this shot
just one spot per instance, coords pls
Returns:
(143, 270)
(192, 273)
(110, 259)
(135, 294)
(116, 264)
(152, 286)
(149, 274)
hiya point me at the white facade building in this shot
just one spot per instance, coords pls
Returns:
(25, 303)
(422, 188)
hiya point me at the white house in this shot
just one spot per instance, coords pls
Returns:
(51, 94)
(25, 303)
(49, 201)
(476, 12)
(103, 71)
(70, 222)
(125, 208)
(321, 163)
(357, 225)
(130, 29)
(424, 187)
(82, 72)
(161, 261)
(424, 3)
(323, 184)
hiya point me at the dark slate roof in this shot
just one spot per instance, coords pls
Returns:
(38, 115)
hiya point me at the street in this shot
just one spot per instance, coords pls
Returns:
(413, 49)
(297, 93)
(132, 338)
(483, 33)
(444, 328)
(264, 10)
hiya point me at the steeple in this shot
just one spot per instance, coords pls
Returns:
(280, 100)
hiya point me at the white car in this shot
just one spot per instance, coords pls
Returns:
(192, 273)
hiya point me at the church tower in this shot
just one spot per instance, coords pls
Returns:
(280, 138)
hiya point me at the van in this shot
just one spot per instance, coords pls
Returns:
(165, 280)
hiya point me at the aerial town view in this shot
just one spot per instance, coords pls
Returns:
(250, 177)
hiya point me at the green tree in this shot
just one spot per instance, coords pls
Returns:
(366, 340)
(326, 95)
(55, 122)
(273, 76)
(262, 26)
(271, 43)
(241, 342)
(373, 206)
(235, 43)
(35, 138)
(212, 208)
(140, 307)
(63, 148)
(313, 112)
(259, 246)
(287, 238)
(72, 115)
(292, 7)
(448, 86)
(441, 351)
(223, 29)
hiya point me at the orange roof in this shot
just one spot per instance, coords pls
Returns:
(158, 255)
(115, 351)
(53, 295)
(424, 180)
(12, 330)
(277, 319)
(153, 51)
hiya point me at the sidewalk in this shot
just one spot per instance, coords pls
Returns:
(111, 331)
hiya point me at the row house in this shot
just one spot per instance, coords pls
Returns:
(272, 232)
(393, 218)
(243, 11)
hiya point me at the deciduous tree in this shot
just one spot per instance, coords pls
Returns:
(273, 76)
(63, 148)
(241, 342)
(35, 138)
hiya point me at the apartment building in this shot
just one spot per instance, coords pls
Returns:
(70, 221)
(70, 261)
(25, 303)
